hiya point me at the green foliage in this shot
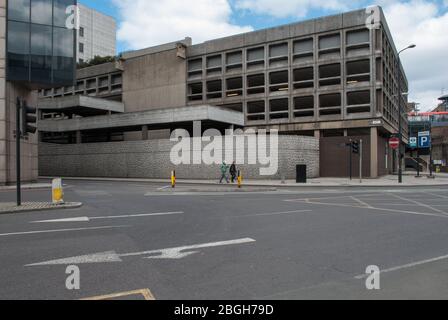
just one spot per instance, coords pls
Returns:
(96, 61)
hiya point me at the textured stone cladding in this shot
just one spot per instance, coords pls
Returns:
(151, 159)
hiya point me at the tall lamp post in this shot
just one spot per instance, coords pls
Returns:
(400, 115)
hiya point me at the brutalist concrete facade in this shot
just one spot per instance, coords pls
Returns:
(151, 159)
(330, 77)
(327, 77)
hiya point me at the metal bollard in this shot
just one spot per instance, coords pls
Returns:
(173, 179)
(240, 179)
(57, 191)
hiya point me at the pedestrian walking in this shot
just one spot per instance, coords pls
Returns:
(233, 172)
(224, 169)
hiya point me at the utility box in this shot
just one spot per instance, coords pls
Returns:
(301, 173)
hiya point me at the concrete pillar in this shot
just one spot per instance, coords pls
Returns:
(345, 133)
(317, 134)
(374, 152)
(78, 137)
(145, 134)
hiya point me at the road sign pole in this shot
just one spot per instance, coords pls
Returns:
(360, 161)
(351, 160)
(418, 163)
(18, 133)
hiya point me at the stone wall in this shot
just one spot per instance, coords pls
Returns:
(151, 159)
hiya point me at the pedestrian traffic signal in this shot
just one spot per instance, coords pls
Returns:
(355, 147)
(29, 119)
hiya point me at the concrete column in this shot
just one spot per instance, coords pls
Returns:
(374, 152)
(78, 137)
(345, 133)
(317, 134)
(145, 134)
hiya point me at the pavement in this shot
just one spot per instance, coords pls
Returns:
(130, 240)
(27, 186)
(409, 180)
(11, 207)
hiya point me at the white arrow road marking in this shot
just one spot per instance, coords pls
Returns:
(59, 230)
(112, 256)
(80, 219)
(87, 219)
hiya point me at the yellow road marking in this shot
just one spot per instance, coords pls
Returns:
(146, 293)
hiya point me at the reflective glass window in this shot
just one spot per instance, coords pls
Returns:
(19, 10)
(61, 7)
(42, 11)
(18, 50)
(63, 54)
(41, 53)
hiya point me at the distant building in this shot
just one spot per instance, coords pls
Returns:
(96, 35)
(443, 106)
(435, 121)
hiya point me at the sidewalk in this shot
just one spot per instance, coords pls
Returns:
(10, 207)
(28, 186)
(409, 180)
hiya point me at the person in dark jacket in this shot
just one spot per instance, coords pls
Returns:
(233, 172)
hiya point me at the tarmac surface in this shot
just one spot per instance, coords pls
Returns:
(136, 240)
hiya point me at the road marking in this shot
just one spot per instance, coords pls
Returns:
(112, 256)
(308, 201)
(271, 214)
(328, 198)
(164, 188)
(420, 204)
(87, 219)
(436, 195)
(59, 230)
(365, 204)
(406, 266)
(146, 293)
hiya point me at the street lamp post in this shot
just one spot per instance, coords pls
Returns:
(400, 115)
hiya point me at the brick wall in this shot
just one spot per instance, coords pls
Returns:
(151, 159)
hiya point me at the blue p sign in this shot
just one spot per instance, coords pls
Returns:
(424, 142)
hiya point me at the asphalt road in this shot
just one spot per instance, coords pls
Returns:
(288, 244)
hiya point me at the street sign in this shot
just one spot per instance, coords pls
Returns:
(413, 142)
(394, 143)
(424, 140)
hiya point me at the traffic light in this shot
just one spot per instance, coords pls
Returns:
(29, 119)
(355, 147)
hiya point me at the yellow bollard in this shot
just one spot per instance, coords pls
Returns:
(57, 191)
(173, 179)
(240, 179)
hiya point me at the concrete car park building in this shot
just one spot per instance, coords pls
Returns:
(331, 79)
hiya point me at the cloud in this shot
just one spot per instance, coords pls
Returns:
(148, 23)
(290, 8)
(426, 25)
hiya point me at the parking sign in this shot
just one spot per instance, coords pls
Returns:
(424, 140)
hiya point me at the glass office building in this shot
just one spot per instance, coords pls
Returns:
(41, 42)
